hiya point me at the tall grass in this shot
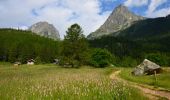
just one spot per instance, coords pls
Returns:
(48, 82)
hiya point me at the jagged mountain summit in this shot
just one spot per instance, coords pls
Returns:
(120, 19)
(45, 29)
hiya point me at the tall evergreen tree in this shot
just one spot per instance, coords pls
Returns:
(74, 46)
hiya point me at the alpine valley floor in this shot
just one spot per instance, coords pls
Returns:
(46, 82)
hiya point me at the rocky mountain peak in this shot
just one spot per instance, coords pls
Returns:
(120, 19)
(45, 29)
(120, 9)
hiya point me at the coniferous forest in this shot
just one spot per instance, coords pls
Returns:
(18, 45)
(131, 52)
(75, 50)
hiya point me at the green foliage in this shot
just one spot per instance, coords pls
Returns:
(148, 28)
(74, 46)
(145, 37)
(119, 47)
(128, 62)
(38, 60)
(135, 50)
(158, 58)
(17, 45)
(101, 58)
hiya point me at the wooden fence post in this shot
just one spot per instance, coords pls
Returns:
(155, 77)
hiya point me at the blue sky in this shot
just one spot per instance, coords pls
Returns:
(90, 14)
(139, 7)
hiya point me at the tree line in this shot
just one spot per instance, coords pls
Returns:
(75, 50)
(18, 45)
(130, 53)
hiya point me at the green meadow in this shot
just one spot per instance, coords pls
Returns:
(49, 82)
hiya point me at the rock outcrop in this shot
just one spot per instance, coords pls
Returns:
(45, 29)
(146, 68)
(120, 19)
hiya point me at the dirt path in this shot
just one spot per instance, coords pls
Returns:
(150, 93)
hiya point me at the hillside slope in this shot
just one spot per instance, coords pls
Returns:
(17, 45)
(132, 52)
(147, 28)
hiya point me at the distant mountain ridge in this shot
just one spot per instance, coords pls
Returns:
(120, 19)
(45, 29)
(148, 28)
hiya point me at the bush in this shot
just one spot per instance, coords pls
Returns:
(101, 58)
(69, 62)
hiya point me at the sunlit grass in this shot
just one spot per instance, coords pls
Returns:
(52, 82)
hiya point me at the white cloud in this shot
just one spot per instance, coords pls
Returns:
(154, 12)
(61, 13)
(109, 0)
(159, 13)
(154, 4)
(135, 3)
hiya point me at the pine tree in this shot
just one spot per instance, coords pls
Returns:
(74, 46)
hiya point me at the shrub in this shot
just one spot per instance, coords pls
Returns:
(100, 58)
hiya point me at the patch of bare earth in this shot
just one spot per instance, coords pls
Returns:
(152, 94)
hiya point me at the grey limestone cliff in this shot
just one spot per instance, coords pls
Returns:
(45, 29)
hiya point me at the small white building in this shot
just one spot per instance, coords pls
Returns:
(30, 62)
(17, 63)
(56, 61)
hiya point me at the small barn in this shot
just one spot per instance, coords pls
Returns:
(146, 68)
(31, 62)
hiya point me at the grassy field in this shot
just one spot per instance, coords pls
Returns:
(49, 82)
(163, 80)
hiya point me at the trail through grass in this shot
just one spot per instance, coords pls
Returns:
(163, 79)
